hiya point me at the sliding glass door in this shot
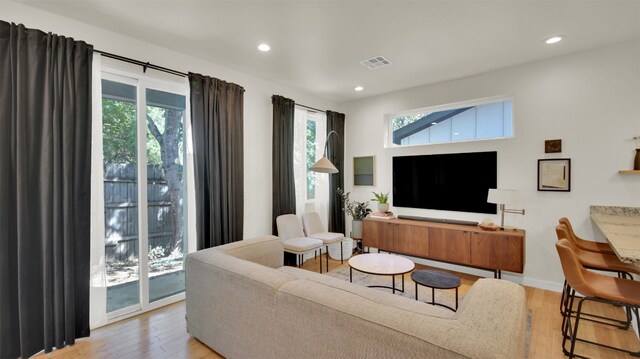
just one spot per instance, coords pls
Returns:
(120, 163)
(145, 230)
(165, 190)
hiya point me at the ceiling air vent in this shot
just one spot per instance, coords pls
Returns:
(375, 62)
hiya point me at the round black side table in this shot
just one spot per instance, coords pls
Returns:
(436, 280)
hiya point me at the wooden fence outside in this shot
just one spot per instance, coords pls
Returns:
(121, 211)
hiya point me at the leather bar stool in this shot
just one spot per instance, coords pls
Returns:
(594, 287)
(597, 261)
(584, 244)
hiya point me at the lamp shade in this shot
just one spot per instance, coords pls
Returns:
(501, 196)
(324, 166)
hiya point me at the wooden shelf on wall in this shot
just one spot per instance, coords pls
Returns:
(629, 172)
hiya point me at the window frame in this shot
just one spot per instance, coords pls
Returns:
(142, 82)
(315, 142)
(316, 117)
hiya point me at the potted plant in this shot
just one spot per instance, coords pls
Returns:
(383, 201)
(357, 210)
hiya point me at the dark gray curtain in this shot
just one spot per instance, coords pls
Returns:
(335, 154)
(284, 189)
(45, 167)
(217, 126)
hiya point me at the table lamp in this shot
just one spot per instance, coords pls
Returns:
(502, 197)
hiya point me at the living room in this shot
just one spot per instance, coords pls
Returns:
(583, 90)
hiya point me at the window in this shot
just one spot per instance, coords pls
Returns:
(312, 189)
(471, 122)
(145, 230)
(311, 157)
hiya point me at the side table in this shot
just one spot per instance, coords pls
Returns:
(436, 280)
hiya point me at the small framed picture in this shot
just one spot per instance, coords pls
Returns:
(554, 175)
(364, 171)
(552, 146)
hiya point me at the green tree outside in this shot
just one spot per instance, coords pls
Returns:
(165, 147)
(119, 131)
(401, 121)
(311, 159)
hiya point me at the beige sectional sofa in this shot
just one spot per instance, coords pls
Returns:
(242, 303)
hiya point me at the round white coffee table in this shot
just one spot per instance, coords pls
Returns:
(381, 264)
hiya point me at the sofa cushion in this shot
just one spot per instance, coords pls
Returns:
(378, 296)
(213, 259)
(359, 327)
(498, 307)
(491, 326)
(328, 237)
(265, 250)
(301, 245)
(230, 303)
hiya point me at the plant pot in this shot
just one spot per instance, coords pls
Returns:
(347, 249)
(636, 160)
(356, 229)
(383, 207)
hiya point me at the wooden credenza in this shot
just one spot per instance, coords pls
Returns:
(453, 243)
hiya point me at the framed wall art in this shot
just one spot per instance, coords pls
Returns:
(554, 175)
(364, 171)
(552, 146)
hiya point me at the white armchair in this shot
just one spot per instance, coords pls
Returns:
(292, 236)
(313, 228)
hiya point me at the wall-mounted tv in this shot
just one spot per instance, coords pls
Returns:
(451, 182)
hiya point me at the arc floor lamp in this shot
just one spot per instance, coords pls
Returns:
(323, 165)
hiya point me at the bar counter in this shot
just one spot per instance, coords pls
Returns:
(621, 227)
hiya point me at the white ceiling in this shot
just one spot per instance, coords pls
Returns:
(318, 46)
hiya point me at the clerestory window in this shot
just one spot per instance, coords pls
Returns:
(468, 122)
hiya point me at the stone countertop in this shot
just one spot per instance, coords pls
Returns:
(621, 227)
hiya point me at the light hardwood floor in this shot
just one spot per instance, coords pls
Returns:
(162, 332)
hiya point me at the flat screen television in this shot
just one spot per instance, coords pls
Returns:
(451, 182)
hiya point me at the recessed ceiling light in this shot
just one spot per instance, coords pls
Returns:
(434, 123)
(554, 39)
(358, 88)
(264, 47)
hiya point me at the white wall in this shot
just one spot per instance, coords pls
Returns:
(590, 100)
(257, 97)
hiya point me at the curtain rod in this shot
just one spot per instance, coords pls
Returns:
(145, 65)
(309, 107)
